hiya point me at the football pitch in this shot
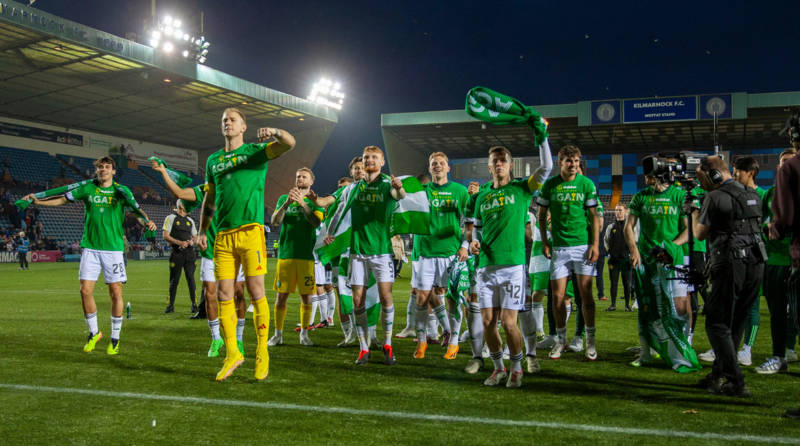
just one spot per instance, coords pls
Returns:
(161, 388)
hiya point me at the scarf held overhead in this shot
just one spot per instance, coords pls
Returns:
(496, 108)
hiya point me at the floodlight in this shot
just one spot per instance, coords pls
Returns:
(167, 20)
(201, 60)
(154, 43)
(185, 37)
(185, 53)
(168, 47)
(156, 35)
(168, 30)
(204, 52)
(206, 44)
(328, 93)
(176, 23)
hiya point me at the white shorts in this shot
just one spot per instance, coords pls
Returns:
(678, 288)
(207, 271)
(322, 276)
(380, 265)
(569, 259)
(414, 272)
(112, 263)
(689, 286)
(429, 272)
(344, 286)
(501, 286)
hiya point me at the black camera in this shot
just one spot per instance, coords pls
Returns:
(792, 127)
(672, 167)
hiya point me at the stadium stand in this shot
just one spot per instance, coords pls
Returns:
(30, 166)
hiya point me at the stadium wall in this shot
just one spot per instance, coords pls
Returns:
(29, 135)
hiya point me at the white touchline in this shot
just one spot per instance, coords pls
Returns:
(410, 416)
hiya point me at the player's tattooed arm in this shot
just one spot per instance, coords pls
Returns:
(207, 214)
(280, 212)
(208, 207)
(298, 196)
(321, 202)
(284, 141)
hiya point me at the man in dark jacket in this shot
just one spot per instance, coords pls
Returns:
(618, 261)
(785, 223)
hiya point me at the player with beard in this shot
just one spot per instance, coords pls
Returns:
(298, 219)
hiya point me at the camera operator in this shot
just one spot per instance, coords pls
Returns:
(658, 208)
(730, 219)
(745, 171)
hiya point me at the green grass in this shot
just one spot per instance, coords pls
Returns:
(42, 332)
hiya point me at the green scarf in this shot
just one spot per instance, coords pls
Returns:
(659, 323)
(22, 204)
(496, 108)
(178, 177)
(129, 200)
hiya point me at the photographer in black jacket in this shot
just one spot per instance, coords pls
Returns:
(731, 221)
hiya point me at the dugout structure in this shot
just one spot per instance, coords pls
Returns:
(613, 134)
(60, 73)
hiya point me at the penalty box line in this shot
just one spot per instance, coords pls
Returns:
(407, 415)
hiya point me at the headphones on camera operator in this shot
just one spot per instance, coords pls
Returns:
(714, 175)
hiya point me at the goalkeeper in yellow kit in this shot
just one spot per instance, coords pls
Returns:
(235, 197)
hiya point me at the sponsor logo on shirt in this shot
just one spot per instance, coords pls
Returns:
(368, 196)
(495, 201)
(228, 162)
(569, 196)
(97, 199)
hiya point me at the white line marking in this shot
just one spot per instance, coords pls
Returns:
(411, 416)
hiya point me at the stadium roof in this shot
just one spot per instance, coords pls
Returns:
(59, 72)
(751, 121)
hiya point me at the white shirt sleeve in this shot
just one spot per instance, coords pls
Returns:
(545, 163)
(167, 228)
(194, 226)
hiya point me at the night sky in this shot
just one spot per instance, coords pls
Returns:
(417, 56)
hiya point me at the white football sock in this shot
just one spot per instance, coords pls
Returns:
(116, 327)
(214, 327)
(91, 321)
(388, 322)
(475, 329)
(441, 315)
(240, 328)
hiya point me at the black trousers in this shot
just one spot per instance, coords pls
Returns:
(620, 268)
(599, 280)
(181, 259)
(776, 292)
(735, 285)
(23, 259)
